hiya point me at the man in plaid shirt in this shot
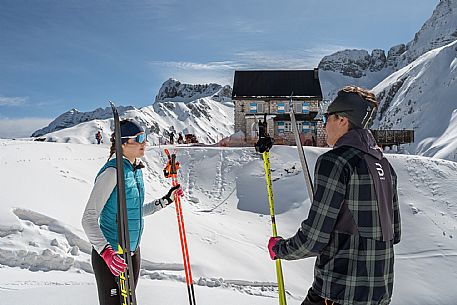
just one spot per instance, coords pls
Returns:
(354, 219)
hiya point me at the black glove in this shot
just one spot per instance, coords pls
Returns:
(264, 144)
(166, 200)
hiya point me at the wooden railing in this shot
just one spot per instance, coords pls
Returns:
(393, 137)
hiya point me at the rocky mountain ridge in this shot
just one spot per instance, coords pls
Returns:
(367, 70)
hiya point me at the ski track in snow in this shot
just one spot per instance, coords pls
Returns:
(426, 177)
(17, 285)
(221, 183)
(190, 170)
(431, 253)
(255, 288)
(218, 185)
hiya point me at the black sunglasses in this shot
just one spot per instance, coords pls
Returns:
(326, 115)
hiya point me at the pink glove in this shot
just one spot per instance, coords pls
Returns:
(179, 192)
(114, 262)
(271, 243)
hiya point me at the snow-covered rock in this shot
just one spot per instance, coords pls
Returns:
(423, 96)
(415, 83)
(174, 91)
(352, 67)
(439, 30)
(354, 63)
(358, 67)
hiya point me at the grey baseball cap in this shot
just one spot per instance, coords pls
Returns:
(357, 109)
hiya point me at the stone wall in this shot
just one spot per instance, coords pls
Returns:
(245, 123)
(321, 142)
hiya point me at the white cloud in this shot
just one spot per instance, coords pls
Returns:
(221, 72)
(184, 65)
(293, 59)
(12, 101)
(21, 128)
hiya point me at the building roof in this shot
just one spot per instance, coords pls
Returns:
(276, 83)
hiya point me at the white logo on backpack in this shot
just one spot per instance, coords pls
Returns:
(380, 171)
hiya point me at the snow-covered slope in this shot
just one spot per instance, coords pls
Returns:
(203, 110)
(358, 67)
(423, 96)
(74, 117)
(44, 253)
(439, 30)
(415, 83)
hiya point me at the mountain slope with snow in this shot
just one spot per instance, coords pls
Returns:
(203, 110)
(423, 96)
(439, 30)
(74, 117)
(358, 67)
(44, 253)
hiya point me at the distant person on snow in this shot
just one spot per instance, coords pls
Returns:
(172, 137)
(98, 137)
(100, 216)
(354, 219)
(180, 139)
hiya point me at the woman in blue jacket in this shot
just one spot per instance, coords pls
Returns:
(99, 219)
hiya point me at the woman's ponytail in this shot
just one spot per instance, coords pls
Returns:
(112, 149)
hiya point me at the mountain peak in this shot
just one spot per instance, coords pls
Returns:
(173, 90)
(73, 117)
(348, 67)
(354, 63)
(439, 30)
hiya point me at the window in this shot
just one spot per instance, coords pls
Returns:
(287, 126)
(280, 127)
(306, 126)
(253, 108)
(260, 107)
(305, 107)
(298, 108)
(281, 108)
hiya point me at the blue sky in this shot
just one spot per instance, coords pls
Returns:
(56, 55)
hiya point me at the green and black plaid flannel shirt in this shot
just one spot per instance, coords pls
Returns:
(343, 229)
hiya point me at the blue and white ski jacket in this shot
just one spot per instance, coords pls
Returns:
(134, 195)
(99, 219)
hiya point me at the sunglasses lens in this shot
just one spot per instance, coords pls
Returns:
(324, 118)
(141, 138)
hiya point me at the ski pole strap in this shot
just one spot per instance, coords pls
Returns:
(265, 142)
(166, 200)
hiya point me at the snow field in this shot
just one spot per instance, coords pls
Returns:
(44, 253)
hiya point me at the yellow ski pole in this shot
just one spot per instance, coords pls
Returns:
(263, 146)
(279, 276)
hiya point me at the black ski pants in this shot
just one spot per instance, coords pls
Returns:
(314, 299)
(108, 289)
